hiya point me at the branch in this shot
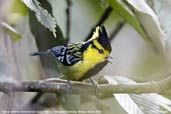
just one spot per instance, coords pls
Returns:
(103, 18)
(159, 87)
(68, 18)
(116, 30)
(105, 90)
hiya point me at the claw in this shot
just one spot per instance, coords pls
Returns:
(96, 86)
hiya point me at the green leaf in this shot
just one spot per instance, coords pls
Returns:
(14, 35)
(128, 16)
(147, 28)
(42, 15)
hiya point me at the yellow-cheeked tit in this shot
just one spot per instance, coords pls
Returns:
(76, 60)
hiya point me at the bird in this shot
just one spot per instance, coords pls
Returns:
(76, 61)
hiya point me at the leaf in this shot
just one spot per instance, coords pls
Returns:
(34, 5)
(46, 19)
(147, 103)
(143, 27)
(150, 23)
(19, 7)
(128, 104)
(162, 9)
(17, 12)
(139, 104)
(14, 35)
(162, 101)
(42, 15)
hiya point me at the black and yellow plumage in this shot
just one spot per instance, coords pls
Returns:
(76, 60)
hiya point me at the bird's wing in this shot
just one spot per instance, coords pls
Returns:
(59, 53)
(74, 53)
(68, 55)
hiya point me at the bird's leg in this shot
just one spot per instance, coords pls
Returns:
(69, 91)
(95, 84)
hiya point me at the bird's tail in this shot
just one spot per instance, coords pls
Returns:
(40, 53)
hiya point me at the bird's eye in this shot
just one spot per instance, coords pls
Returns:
(101, 51)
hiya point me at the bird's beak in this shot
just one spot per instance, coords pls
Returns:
(109, 59)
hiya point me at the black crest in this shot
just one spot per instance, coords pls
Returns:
(103, 39)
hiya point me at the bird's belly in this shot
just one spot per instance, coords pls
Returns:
(76, 71)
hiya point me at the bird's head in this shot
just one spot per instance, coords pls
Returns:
(98, 47)
(100, 35)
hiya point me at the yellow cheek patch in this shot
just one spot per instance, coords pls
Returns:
(92, 55)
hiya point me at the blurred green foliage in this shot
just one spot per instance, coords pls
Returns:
(19, 7)
(17, 11)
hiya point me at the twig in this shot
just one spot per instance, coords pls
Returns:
(103, 18)
(116, 30)
(68, 23)
(105, 90)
